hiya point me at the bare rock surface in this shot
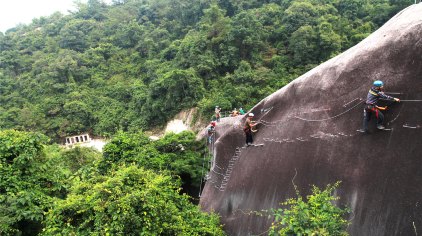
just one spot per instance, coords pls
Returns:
(308, 129)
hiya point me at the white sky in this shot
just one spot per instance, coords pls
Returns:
(13, 12)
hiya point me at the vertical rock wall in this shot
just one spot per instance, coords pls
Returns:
(308, 129)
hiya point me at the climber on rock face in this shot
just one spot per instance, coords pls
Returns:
(217, 113)
(374, 94)
(211, 132)
(249, 128)
(234, 113)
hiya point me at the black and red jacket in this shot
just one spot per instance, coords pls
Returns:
(374, 95)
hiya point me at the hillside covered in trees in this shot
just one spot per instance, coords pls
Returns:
(115, 70)
(134, 64)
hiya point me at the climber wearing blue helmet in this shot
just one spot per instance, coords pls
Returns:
(378, 84)
(374, 94)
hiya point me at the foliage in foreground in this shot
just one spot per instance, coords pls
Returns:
(53, 191)
(318, 216)
(28, 182)
(181, 154)
(132, 201)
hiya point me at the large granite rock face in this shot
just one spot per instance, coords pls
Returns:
(309, 134)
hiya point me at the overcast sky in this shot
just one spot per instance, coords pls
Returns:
(13, 12)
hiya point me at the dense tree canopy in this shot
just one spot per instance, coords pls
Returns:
(131, 201)
(133, 188)
(28, 182)
(114, 70)
(134, 64)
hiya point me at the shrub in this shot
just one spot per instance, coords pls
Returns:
(318, 216)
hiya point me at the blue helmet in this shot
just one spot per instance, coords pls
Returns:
(378, 83)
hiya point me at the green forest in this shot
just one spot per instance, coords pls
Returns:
(117, 70)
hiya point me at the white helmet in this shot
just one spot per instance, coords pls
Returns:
(251, 114)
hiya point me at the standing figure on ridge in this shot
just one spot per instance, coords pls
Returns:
(217, 113)
(235, 113)
(374, 94)
(241, 111)
(248, 129)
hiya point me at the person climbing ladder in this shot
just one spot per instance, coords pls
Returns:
(374, 94)
(211, 132)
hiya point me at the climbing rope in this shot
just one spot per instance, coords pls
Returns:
(395, 93)
(208, 154)
(234, 158)
(203, 166)
(274, 123)
(218, 173)
(267, 123)
(411, 127)
(218, 166)
(266, 111)
(397, 116)
(402, 100)
(229, 169)
(224, 176)
(333, 117)
(345, 105)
